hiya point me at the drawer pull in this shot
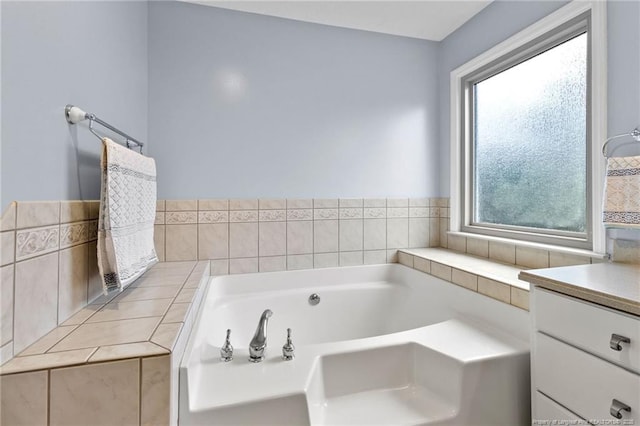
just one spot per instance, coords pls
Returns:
(615, 341)
(617, 407)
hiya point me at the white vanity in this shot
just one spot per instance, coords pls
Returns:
(585, 351)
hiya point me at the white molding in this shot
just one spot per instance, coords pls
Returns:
(598, 102)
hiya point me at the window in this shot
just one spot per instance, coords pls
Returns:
(522, 132)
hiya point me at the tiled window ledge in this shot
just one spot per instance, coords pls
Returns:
(147, 319)
(485, 276)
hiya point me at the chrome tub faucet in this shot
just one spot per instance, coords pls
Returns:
(259, 341)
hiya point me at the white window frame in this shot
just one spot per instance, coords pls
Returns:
(597, 105)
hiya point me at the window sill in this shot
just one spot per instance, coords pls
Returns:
(547, 247)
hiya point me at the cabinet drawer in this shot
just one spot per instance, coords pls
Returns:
(548, 409)
(588, 326)
(583, 383)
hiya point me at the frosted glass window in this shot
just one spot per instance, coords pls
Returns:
(530, 142)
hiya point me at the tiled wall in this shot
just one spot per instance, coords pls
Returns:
(284, 234)
(48, 270)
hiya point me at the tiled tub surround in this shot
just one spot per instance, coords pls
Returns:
(253, 235)
(48, 268)
(111, 363)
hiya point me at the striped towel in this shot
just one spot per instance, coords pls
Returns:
(127, 215)
(622, 193)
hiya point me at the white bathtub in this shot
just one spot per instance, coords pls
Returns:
(385, 345)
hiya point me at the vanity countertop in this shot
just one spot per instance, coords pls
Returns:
(614, 285)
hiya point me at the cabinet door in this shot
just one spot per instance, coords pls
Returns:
(588, 327)
(548, 409)
(583, 383)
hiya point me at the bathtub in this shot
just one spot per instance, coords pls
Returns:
(385, 345)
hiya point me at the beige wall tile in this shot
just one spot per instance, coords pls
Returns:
(243, 204)
(94, 281)
(351, 235)
(78, 394)
(325, 214)
(300, 203)
(6, 352)
(24, 399)
(464, 279)
(31, 214)
(36, 242)
(213, 204)
(457, 243)
(161, 205)
(182, 217)
(375, 234)
(272, 204)
(478, 247)
(350, 258)
(434, 232)
(73, 281)
(350, 213)
(94, 209)
(299, 261)
(300, 237)
(374, 212)
(8, 219)
(325, 236)
(418, 202)
(419, 212)
(350, 202)
(520, 298)
(325, 203)
(397, 212)
(405, 259)
(441, 271)
(155, 391)
(159, 241)
(128, 310)
(272, 264)
(73, 211)
(243, 240)
(72, 234)
(502, 252)
(532, 257)
(325, 260)
(422, 264)
(397, 202)
(213, 241)
(375, 257)
(108, 333)
(213, 216)
(392, 256)
(219, 267)
(272, 215)
(36, 299)
(181, 205)
(494, 289)
(6, 304)
(7, 247)
(299, 214)
(375, 202)
(397, 233)
(272, 239)
(181, 242)
(566, 259)
(418, 232)
(443, 229)
(243, 266)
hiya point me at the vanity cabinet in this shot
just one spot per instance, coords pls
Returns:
(585, 361)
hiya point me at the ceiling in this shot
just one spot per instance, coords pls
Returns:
(424, 19)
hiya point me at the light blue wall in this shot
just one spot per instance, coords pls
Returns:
(502, 19)
(93, 54)
(243, 105)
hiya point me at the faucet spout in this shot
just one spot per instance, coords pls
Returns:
(259, 341)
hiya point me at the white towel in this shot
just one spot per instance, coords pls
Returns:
(622, 193)
(127, 215)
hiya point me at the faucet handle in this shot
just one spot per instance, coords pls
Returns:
(288, 348)
(226, 352)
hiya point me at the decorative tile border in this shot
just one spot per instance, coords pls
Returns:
(37, 241)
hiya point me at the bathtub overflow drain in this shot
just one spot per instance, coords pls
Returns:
(314, 299)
